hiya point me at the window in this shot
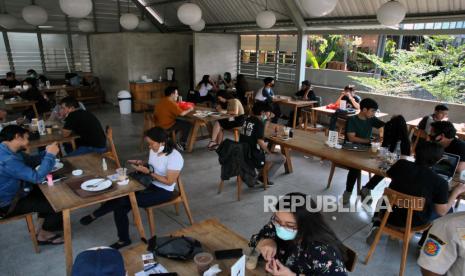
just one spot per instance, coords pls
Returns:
(57, 56)
(275, 56)
(4, 64)
(25, 52)
(81, 53)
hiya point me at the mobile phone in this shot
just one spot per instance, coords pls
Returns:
(228, 254)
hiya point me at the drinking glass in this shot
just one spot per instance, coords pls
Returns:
(121, 173)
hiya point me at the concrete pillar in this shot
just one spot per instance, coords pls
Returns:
(380, 50)
(301, 58)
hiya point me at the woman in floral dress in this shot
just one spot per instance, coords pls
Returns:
(297, 241)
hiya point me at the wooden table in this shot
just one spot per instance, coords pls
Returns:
(295, 104)
(22, 103)
(313, 143)
(329, 112)
(213, 236)
(199, 122)
(56, 136)
(64, 200)
(459, 127)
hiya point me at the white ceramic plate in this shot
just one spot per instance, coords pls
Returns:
(58, 166)
(96, 184)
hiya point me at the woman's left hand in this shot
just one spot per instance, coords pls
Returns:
(141, 169)
(276, 268)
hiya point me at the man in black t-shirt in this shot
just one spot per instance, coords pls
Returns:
(348, 95)
(253, 133)
(306, 93)
(444, 133)
(418, 179)
(10, 80)
(83, 123)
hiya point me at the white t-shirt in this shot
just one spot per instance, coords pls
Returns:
(259, 94)
(444, 250)
(203, 91)
(163, 163)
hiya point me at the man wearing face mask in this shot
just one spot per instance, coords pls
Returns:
(41, 79)
(31, 93)
(444, 132)
(253, 133)
(266, 95)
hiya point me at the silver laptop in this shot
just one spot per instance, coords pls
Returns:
(447, 166)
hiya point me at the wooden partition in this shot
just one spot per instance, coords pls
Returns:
(147, 91)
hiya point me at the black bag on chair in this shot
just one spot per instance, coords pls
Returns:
(142, 178)
(177, 248)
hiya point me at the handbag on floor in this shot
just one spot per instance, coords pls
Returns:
(177, 248)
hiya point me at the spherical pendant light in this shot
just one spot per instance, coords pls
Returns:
(144, 25)
(199, 26)
(189, 13)
(129, 21)
(266, 19)
(8, 21)
(391, 13)
(318, 8)
(76, 8)
(34, 15)
(85, 25)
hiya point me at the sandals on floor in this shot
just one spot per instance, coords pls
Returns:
(212, 146)
(50, 241)
(119, 244)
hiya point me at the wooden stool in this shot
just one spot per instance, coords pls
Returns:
(30, 227)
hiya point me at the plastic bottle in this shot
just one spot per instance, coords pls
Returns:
(104, 164)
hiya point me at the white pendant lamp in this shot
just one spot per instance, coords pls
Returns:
(76, 8)
(318, 8)
(391, 13)
(266, 19)
(199, 26)
(144, 25)
(129, 21)
(35, 15)
(189, 13)
(8, 21)
(86, 26)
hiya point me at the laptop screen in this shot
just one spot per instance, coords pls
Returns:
(447, 165)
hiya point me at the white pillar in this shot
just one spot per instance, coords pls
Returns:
(301, 58)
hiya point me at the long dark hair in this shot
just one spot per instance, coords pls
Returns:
(205, 80)
(396, 130)
(9, 133)
(159, 135)
(311, 226)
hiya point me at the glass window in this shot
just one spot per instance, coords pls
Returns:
(267, 56)
(248, 55)
(57, 56)
(4, 64)
(81, 53)
(25, 52)
(287, 55)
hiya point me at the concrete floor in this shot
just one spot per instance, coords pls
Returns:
(201, 178)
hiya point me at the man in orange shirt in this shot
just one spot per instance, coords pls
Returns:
(166, 115)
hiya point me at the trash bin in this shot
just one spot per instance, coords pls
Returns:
(124, 99)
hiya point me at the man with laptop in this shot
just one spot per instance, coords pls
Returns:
(358, 131)
(443, 132)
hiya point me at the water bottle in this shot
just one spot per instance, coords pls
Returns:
(398, 151)
(104, 164)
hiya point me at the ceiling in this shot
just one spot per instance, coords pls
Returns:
(239, 15)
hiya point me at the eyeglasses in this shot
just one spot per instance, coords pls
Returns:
(276, 221)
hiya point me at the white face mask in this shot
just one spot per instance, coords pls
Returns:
(160, 149)
(25, 87)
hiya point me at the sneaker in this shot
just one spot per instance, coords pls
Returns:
(364, 193)
(346, 198)
(371, 236)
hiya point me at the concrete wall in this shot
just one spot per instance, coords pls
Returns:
(410, 108)
(215, 54)
(110, 62)
(118, 58)
(333, 78)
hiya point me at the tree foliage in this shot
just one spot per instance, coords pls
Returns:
(436, 65)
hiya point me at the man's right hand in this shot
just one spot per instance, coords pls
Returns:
(53, 148)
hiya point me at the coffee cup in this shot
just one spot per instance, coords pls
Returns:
(203, 261)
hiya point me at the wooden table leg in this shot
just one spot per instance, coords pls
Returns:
(295, 117)
(67, 241)
(73, 144)
(193, 136)
(137, 218)
(35, 110)
(288, 163)
(314, 118)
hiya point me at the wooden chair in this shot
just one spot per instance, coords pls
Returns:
(418, 133)
(30, 227)
(111, 153)
(239, 182)
(400, 200)
(179, 196)
(148, 124)
(352, 259)
(249, 95)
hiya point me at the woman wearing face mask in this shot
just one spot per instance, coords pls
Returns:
(164, 166)
(31, 93)
(297, 241)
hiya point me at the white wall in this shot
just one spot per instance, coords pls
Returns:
(215, 54)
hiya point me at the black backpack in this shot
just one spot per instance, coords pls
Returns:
(177, 248)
